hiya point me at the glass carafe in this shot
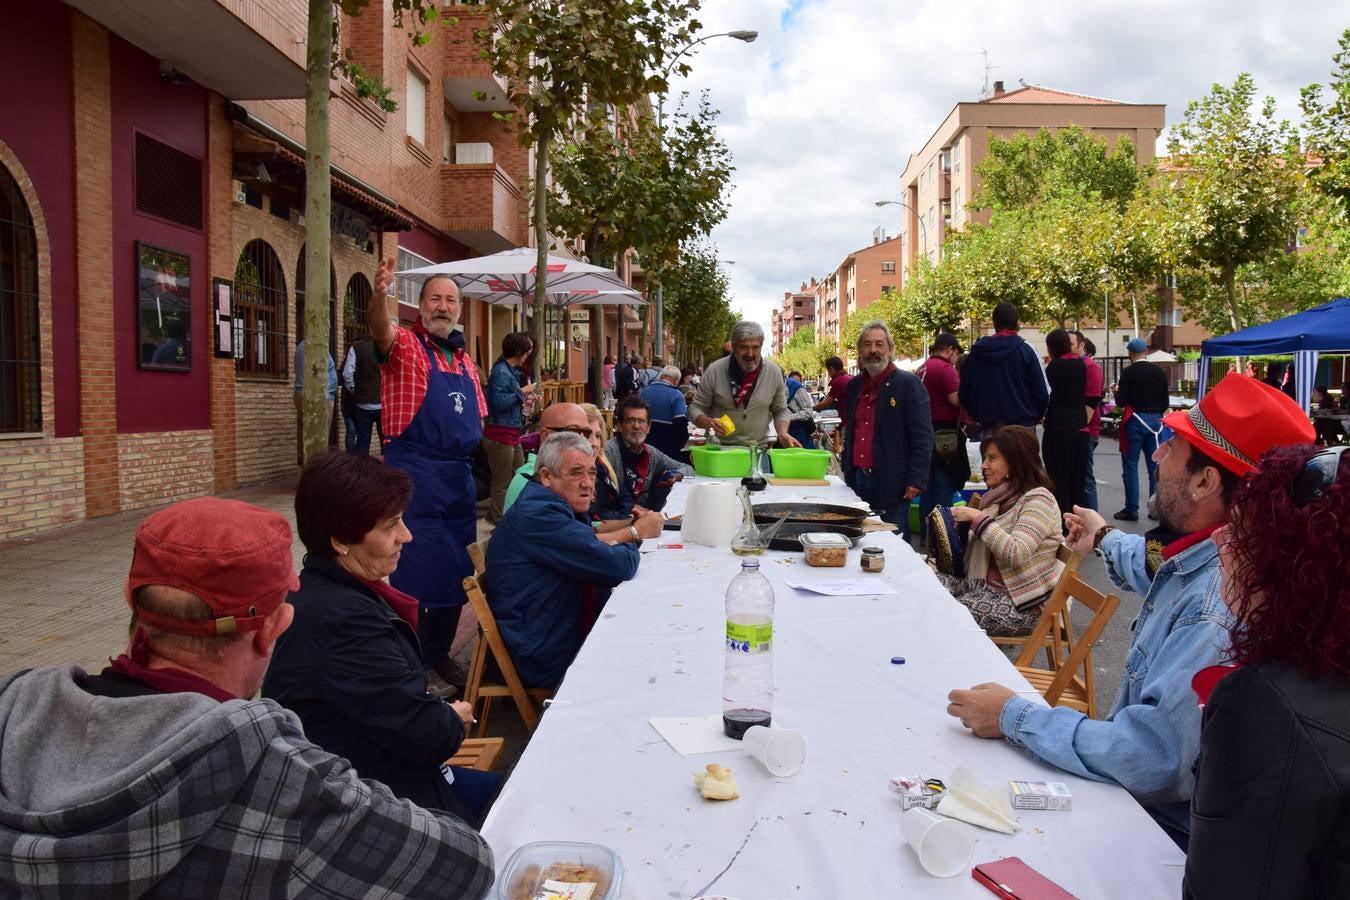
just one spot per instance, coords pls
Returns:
(749, 539)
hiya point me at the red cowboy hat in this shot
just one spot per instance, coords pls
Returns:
(1239, 420)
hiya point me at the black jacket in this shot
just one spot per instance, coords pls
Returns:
(1002, 382)
(1270, 816)
(902, 444)
(351, 669)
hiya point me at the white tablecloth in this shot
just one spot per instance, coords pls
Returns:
(595, 770)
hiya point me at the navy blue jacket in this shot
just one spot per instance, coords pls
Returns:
(902, 443)
(539, 561)
(351, 669)
(1002, 382)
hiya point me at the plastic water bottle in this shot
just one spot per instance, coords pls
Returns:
(747, 680)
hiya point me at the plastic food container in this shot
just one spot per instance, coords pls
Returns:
(727, 462)
(530, 866)
(796, 462)
(825, 548)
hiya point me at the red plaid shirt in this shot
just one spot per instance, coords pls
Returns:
(404, 375)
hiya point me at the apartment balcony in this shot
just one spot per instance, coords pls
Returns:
(467, 79)
(206, 41)
(945, 186)
(481, 206)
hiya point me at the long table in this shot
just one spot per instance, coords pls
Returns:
(595, 770)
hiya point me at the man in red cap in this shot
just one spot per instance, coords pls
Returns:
(160, 775)
(1149, 741)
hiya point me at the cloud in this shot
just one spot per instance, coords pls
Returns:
(823, 110)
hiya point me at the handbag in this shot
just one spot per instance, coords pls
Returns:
(947, 542)
(946, 443)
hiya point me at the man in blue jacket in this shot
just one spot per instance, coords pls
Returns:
(888, 444)
(1002, 382)
(546, 573)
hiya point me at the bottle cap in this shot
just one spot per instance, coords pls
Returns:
(749, 564)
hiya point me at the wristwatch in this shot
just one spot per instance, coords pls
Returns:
(1101, 534)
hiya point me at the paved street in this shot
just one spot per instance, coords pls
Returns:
(61, 597)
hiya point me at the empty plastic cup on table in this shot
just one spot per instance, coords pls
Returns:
(781, 751)
(944, 846)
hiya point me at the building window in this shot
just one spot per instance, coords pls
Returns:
(957, 211)
(1170, 316)
(447, 141)
(259, 312)
(409, 288)
(416, 107)
(956, 157)
(888, 267)
(355, 306)
(20, 366)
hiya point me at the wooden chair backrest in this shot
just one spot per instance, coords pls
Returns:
(478, 556)
(1103, 606)
(492, 638)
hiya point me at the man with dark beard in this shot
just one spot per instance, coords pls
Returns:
(888, 442)
(432, 413)
(1149, 742)
(747, 388)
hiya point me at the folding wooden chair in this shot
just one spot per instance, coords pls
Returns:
(477, 753)
(478, 555)
(1061, 635)
(490, 641)
(1070, 683)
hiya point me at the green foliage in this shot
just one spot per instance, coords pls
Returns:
(803, 354)
(1231, 202)
(1023, 171)
(368, 86)
(698, 309)
(1326, 128)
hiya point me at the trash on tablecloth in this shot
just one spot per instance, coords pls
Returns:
(973, 801)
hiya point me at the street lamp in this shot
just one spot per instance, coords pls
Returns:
(923, 229)
(741, 34)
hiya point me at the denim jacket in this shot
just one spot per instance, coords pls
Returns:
(1149, 742)
(505, 399)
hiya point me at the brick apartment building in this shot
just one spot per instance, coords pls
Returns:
(939, 180)
(151, 178)
(855, 284)
(797, 312)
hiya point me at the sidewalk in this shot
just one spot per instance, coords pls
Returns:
(61, 593)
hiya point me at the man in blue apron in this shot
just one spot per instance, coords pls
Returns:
(432, 415)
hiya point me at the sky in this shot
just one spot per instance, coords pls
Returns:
(822, 111)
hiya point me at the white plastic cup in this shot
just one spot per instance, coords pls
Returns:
(944, 846)
(781, 751)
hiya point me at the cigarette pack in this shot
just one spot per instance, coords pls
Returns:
(1041, 795)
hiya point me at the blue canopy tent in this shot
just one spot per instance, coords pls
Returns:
(1324, 328)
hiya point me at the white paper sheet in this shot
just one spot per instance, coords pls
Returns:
(700, 734)
(849, 587)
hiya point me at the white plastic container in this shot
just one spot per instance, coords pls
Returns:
(566, 861)
(825, 548)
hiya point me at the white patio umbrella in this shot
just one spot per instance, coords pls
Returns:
(625, 296)
(1160, 356)
(513, 271)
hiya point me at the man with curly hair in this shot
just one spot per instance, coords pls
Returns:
(1149, 741)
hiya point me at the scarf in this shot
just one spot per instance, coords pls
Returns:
(978, 559)
(1161, 544)
(636, 466)
(1207, 679)
(404, 607)
(742, 383)
(136, 664)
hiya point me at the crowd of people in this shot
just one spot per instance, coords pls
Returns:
(268, 734)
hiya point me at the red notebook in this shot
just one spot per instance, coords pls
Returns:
(1013, 879)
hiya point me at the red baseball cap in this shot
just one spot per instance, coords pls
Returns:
(235, 557)
(1239, 420)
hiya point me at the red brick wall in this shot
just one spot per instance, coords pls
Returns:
(94, 262)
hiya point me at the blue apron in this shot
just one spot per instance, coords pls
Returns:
(435, 450)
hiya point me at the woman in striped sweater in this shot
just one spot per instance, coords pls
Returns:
(1010, 556)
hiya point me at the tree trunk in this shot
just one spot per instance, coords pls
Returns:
(541, 242)
(596, 367)
(314, 410)
(1229, 273)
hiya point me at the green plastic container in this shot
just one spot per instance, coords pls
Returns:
(795, 462)
(726, 462)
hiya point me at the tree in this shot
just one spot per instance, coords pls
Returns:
(700, 312)
(1024, 171)
(562, 57)
(1233, 187)
(1326, 126)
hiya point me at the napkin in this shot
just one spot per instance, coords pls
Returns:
(970, 800)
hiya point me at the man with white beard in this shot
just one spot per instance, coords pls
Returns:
(745, 387)
(432, 414)
(888, 442)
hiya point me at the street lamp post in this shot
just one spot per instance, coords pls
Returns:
(923, 229)
(744, 35)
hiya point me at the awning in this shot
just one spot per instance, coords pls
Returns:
(383, 210)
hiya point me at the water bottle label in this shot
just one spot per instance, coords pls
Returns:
(752, 639)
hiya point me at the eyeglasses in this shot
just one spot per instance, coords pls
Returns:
(572, 429)
(1317, 476)
(631, 421)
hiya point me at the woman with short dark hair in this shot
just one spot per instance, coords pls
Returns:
(1010, 561)
(1065, 444)
(506, 400)
(350, 666)
(1269, 814)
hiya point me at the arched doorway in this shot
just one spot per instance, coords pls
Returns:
(20, 360)
(355, 307)
(260, 346)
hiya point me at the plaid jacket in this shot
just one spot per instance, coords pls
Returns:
(225, 800)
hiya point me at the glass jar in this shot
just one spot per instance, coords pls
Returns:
(873, 559)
